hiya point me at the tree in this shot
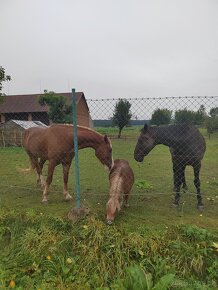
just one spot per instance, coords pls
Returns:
(3, 78)
(191, 117)
(121, 115)
(214, 112)
(184, 116)
(59, 110)
(211, 122)
(161, 117)
(200, 115)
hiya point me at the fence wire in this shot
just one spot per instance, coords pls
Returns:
(174, 135)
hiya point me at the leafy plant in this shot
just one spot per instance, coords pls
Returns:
(138, 280)
(143, 184)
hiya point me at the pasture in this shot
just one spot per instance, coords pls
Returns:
(43, 250)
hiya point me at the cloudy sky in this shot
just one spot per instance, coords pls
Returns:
(110, 48)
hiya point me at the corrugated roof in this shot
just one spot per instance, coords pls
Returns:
(29, 103)
(27, 124)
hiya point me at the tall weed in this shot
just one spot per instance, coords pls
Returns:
(51, 253)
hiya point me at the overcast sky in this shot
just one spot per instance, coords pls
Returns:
(110, 48)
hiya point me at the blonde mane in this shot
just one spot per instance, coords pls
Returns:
(78, 126)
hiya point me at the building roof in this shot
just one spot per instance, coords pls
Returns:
(27, 124)
(30, 104)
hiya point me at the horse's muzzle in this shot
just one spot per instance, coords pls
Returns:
(139, 158)
(110, 222)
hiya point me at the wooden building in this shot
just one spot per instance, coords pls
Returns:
(27, 108)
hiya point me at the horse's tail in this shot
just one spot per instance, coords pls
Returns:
(25, 138)
(25, 145)
(32, 164)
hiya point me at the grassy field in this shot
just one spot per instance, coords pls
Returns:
(43, 250)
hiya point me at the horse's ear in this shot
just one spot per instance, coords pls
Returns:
(145, 128)
(106, 139)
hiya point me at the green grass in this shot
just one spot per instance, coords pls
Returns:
(149, 233)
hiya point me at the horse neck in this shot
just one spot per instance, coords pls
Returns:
(161, 136)
(89, 139)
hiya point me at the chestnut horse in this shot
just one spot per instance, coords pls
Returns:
(187, 147)
(56, 144)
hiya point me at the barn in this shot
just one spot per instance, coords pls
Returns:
(11, 132)
(27, 108)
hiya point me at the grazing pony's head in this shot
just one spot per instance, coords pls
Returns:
(112, 208)
(104, 152)
(146, 142)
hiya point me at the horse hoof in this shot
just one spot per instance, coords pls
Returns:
(200, 206)
(109, 222)
(44, 201)
(175, 205)
(42, 185)
(68, 198)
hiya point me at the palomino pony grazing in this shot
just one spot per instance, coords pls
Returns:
(187, 147)
(56, 144)
(121, 181)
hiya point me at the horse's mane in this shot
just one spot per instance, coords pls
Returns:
(182, 126)
(78, 126)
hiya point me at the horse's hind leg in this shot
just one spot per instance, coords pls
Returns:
(197, 168)
(184, 185)
(51, 167)
(126, 197)
(36, 165)
(66, 168)
(178, 171)
(40, 177)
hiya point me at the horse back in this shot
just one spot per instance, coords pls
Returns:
(190, 145)
(122, 173)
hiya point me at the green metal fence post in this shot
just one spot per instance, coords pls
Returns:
(75, 136)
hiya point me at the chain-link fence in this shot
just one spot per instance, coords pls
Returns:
(162, 171)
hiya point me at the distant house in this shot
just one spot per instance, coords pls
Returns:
(27, 108)
(11, 132)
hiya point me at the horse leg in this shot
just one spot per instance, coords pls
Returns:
(66, 168)
(36, 165)
(184, 185)
(51, 167)
(40, 177)
(197, 183)
(178, 171)
(126, 197)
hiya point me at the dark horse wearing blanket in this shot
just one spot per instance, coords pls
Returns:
(56, 144)
(187, 147)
